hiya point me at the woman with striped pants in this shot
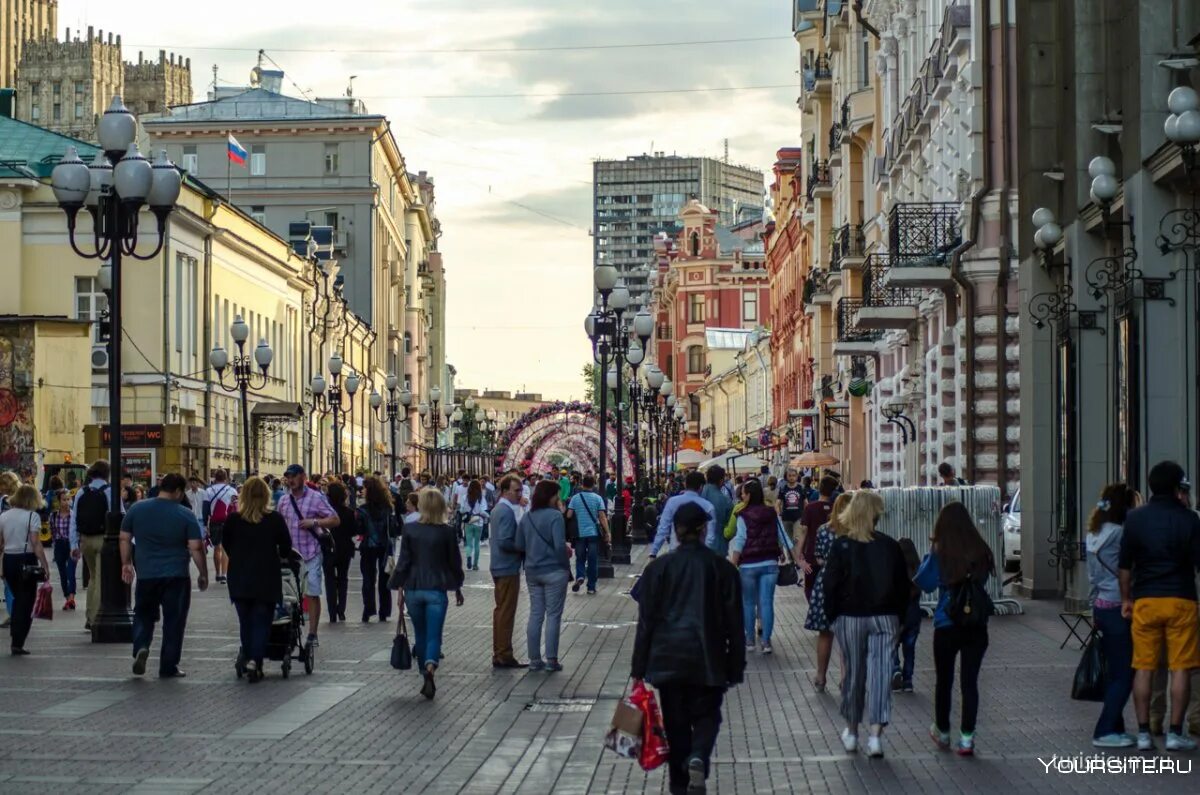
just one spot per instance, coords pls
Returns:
(866, 591)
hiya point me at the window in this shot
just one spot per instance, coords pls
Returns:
(695, 354)
(865, 63)
(331, 158)
(185, 310)
(259, 214)
(695, 244)
(407, 342)
(56, 90)
(331, 220)
(57, 111)
(750, 306)
(90, 301)
(258, 160)
(696, 308)
(191, 160)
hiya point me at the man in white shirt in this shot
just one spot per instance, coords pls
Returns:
(220, 500)
(195, 495)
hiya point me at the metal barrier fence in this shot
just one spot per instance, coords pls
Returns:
(911, 512)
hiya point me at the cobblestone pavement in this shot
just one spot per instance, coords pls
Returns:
(73, 715)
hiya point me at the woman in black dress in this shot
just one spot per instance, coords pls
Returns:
(337, 568)
(256, 541)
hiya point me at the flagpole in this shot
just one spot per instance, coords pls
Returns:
(228, 169)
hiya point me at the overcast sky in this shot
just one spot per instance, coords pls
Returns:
(513, 173)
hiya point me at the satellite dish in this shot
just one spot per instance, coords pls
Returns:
(256, 77)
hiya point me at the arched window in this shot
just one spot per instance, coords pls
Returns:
(695, 357)
(694, 244)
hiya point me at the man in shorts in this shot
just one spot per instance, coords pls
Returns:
(1160, 553)
(308, 514)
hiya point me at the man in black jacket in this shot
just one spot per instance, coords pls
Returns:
(689, 645)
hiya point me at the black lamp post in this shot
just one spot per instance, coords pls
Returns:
(328, 399)
(643, 327)
(391, 410)
(431, 419)
(244, 377)
(654, 381)
(114, 198)
(601, 328)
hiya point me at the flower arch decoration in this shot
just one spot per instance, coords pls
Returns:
(557, 433)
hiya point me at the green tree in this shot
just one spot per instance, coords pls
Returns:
(589, 382)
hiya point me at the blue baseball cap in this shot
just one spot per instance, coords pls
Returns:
(294, 469)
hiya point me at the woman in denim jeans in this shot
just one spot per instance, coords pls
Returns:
(1116, 639)
(755, 550)
(428, 566)
(542, 538)
(60, 534)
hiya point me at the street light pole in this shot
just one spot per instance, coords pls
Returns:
(332, 401)
(114, 198)
(391, 411)
(603, 324)
(243, 376)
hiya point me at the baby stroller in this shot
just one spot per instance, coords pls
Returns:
(286, 640)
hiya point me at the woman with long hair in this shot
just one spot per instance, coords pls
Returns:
(542, 538)
(816, 620)
(475, 515)
(756, 549)
(428, 566)
(60, 537)
(866, 588)
(20, 543)
(337, 566)
(956, 552)
(257, 541)
(378, 527)
(1103, 545)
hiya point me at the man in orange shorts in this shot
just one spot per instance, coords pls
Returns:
(1160, 553)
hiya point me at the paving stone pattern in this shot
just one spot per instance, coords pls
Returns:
(73, 719)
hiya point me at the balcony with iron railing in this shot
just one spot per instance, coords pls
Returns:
(852, 337)
(835, 144)
(847, 247)
(885, 304)
(921, 236)
(820, 180)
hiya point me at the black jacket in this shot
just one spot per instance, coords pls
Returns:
(690, 627)
(344, 533)
(1160, 545)
(866, 579)
(255, 553)
(429, 559)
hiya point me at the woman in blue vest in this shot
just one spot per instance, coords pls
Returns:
(756, 549)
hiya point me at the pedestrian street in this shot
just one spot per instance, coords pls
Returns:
(76, 720)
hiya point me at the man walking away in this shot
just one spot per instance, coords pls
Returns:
(168, 537)
(89, 513)
(220, 500)
(588, 509)
(307, 514)
(506, 572)
(946, 473)
(689, 645)
(714, 492)
(1160, 553)
(693, 484)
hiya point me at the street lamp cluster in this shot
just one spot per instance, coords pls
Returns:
(244, 377)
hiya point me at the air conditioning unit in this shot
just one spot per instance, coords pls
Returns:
(99, 357)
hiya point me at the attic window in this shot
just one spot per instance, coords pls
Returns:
(694, 244)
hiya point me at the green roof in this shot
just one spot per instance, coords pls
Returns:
(35, 148)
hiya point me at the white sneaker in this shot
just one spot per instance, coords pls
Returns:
(849, 741)
(874, 745)
(1180, 742)
(1145, 742)
(1113, 741)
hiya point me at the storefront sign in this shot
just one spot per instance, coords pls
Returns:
(135, 435)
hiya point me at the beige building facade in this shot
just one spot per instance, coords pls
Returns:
(23, 21)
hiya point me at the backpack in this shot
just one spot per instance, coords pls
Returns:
(91, 511)
(406, 488)
(220, 509)
(969, 605)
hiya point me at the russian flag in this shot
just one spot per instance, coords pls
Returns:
(237, 153)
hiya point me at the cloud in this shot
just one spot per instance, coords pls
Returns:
(561, 208)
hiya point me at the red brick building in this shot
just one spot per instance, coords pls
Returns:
(708, 277)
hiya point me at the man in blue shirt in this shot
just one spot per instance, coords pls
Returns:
(693, 483)
(588, 509)
(168, 539)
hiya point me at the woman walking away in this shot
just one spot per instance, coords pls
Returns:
(337, 568)
(755, 550)
(958, 558)
(866, 591)
(816, 620)
(60, 534)
(428, 566)
(474, 513)
(689, 645)
(910, 624)
(257, 543)
(542, 538)
(1116, 639)
(20, 528)
(378, 528)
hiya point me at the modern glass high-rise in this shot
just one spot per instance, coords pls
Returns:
(635, 199)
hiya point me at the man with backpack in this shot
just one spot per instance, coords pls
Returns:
(89, 515)
(220, 500)
(588, 509)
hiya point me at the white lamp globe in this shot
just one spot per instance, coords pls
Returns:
(667, 387)
(71, 180)
(635, 354)
(165, 183)
(619, 300)
(1187, 128)
(219, 358)
(239, 330)
(435, 395)
(643, 324)
(1105, 187)
(1182, 99)
(670, 400)
(611, 379)
(376, 399)
(1050, 234)
(423, 409)
(655, 377)
(1171, 128)
(117, 129)
(605, 278)
(405, 398)
(1101, 165)
(391, 381)
(352, 383)
(318, 385)
(1042, 216)
(133, 176)
(335, 364)
(101, 173)
(263, 355)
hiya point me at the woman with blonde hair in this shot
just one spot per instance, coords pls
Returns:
(256, 539)
(816, 620)
(428, 566)
(9, 482)
(866, 589)
(20, 543)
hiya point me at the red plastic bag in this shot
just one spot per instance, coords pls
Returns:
(43, 605)
(654, 736)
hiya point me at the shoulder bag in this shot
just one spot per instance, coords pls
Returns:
(592, 516)
(1091, 673)
(31, 572)
(324, 537)
(789, 573)
(401, 649)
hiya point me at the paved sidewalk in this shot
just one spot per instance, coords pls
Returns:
(73, 715)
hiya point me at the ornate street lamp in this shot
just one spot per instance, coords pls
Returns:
(114, 198)
(396, 401)
(327, 398)
(244, 377)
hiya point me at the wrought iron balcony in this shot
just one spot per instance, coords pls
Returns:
(876, 289)
(848, 328)
(918, 232)
(819, 177)
(848, 241)
(835, 139)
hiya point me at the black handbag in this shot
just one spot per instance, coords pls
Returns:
(32, 572)
(1091, 673)
(401, 650)
(789, 572)
(323, 536)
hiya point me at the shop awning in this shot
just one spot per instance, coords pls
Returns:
(291, 410)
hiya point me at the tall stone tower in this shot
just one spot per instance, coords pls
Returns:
(153, 87)
(23, 21)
